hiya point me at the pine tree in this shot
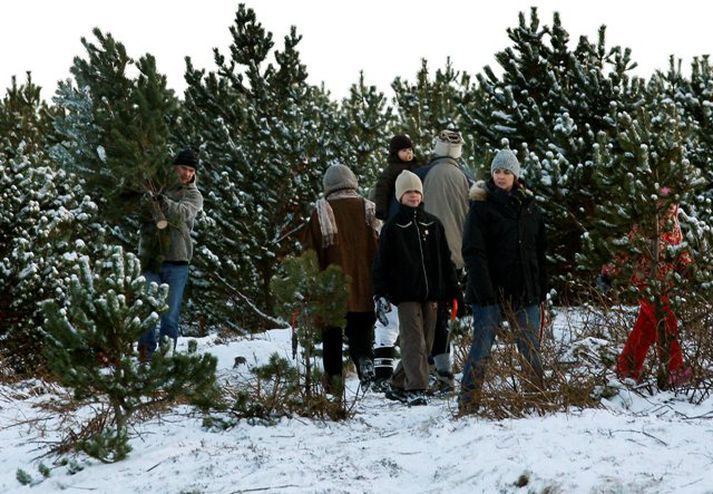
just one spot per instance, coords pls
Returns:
(25, 121)
(46, 220)
(317, 298)
(550, 103)
(426, 107)
(694, 97)
(115, 131)
(646, 169)
(91, 327)
(361, 136)
(263, 132)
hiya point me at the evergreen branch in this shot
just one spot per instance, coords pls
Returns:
(281, 323)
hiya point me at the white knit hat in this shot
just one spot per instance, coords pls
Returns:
(407, 181)
(449, 143)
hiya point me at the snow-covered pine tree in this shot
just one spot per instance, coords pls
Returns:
(694, 97)
(645, 170)
(115, 131)
(263, 132)
(91, 326)
(45, 220)
(25, 121)
(429, 105)
(361, 136)
(550, 103)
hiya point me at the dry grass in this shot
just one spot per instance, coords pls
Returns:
(579, 359)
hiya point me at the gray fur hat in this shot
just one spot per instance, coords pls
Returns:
(505, 160)
(449, 143)
(338, 177)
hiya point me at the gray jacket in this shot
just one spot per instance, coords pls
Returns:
(174, 243)
(445, 195)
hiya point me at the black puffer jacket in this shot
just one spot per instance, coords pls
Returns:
(386, 202)
(413, 263)
(504, 247)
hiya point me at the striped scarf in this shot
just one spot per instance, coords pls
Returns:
(327, 223)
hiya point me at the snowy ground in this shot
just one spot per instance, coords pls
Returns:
(633, 445)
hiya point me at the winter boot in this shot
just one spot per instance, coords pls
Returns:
(366, 372)
(443, 377)
(416, 398)
(396, 394)
(445, 382)
(383, 367)
(680, 377)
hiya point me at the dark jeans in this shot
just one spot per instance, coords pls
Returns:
(175, 276)
(486, 321)
(360, 337)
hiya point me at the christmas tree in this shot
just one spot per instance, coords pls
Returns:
(263, 132)
(91, 327)
(115, 131)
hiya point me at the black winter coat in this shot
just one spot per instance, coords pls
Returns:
(385, 188)
(413, 263)
(504, 247)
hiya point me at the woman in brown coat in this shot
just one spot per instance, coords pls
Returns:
(343, 231)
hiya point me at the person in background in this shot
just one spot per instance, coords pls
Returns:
(401, 157)
(445, 187)
(656, 321)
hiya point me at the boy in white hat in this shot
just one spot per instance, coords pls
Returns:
(412, 270)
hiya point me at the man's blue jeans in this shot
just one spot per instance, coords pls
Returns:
(175, 276)
(524, 324)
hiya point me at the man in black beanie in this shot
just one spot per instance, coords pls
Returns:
(166, 248)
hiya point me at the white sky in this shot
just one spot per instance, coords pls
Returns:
(385, 38)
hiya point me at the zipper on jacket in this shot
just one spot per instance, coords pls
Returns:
(420, 248)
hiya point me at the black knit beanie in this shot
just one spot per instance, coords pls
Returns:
(398, 143)
(186, 158)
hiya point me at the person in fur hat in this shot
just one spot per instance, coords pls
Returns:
(445, 186)
(504, 252)
(412, 270)
(401, 157)
(342, 230)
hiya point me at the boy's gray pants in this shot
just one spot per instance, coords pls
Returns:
(417, 323)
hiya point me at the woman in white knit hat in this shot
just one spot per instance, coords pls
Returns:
(412, 270)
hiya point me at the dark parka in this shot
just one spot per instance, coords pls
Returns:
(386, 203)
(504, 247)
(413, 263)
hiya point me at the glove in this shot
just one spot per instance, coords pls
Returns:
(382, 307)
(603, 283)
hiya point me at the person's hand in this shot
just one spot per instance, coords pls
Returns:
(382, 307)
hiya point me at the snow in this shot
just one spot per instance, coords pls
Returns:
(657, 444)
